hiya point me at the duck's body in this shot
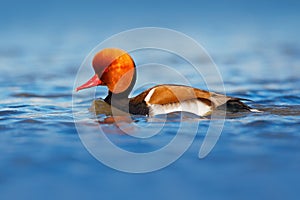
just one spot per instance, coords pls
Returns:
(162, 99)
(116, 69)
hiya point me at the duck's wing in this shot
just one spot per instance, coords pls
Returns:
(164, 99)
(165, 94)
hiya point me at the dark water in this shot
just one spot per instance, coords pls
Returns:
(256, 156)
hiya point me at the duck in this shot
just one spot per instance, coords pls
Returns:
(116, 69)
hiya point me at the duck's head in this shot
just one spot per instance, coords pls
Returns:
(113, 68)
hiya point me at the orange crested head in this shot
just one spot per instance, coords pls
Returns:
(113, 68)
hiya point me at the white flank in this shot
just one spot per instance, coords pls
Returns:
(149, 95)
(255, 110)
(192, 106)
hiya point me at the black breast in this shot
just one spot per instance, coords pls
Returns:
(134, 106)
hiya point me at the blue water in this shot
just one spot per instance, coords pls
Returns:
(256, 47)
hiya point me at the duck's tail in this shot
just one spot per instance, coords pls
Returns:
(236, 105)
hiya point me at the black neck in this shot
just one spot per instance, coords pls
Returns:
(115, 98)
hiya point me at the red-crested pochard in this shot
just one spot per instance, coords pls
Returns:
(115, 69)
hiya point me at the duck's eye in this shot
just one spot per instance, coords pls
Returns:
(106, 70)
